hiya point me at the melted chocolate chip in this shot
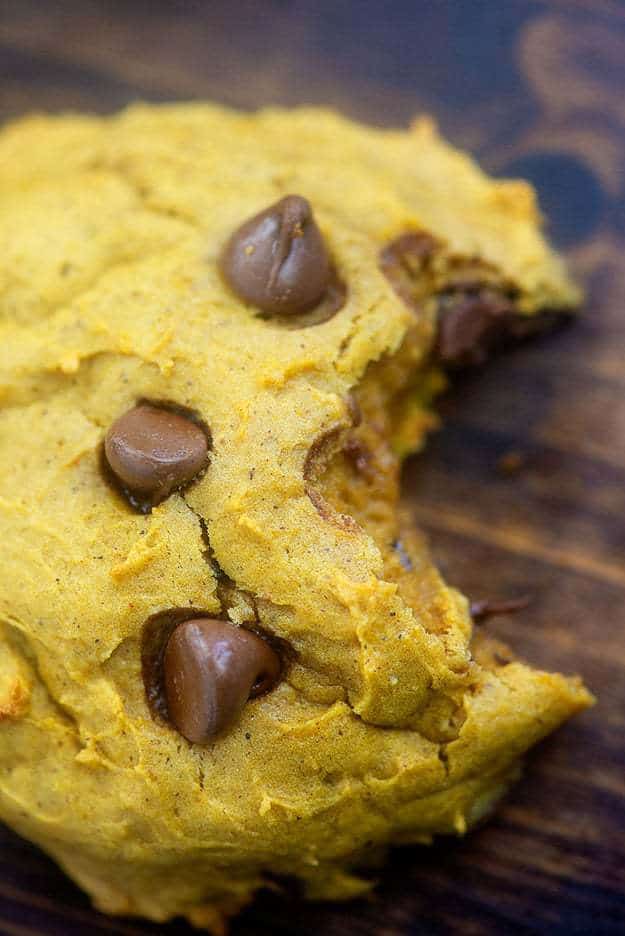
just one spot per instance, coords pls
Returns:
(477, 313)
(153, 451)
(277, 260)
(475, 320)
(211, 669)
(404, 261)
(482, 610)
(472, 324)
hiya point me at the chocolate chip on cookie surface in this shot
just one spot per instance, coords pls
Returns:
(153, 451)
(211, 669)
(277, 260)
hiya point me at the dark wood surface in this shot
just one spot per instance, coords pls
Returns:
(524, 489)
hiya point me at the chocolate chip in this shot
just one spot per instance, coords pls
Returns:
(277, 260)
(477, 313)
(404, 262)
(482, 610)
(152, 451)
(211, 669)
(472, 324)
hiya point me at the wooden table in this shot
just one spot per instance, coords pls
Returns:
(524, 489)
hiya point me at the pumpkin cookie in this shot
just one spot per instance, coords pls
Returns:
(225, 655)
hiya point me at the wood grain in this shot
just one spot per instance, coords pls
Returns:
(523, 490)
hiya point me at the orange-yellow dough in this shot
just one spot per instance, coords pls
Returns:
(390, 725)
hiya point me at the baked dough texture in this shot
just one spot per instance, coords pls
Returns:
(392, 723)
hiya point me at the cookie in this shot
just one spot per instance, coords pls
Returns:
(225, 653)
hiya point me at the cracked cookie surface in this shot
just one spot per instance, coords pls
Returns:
(390, 724)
